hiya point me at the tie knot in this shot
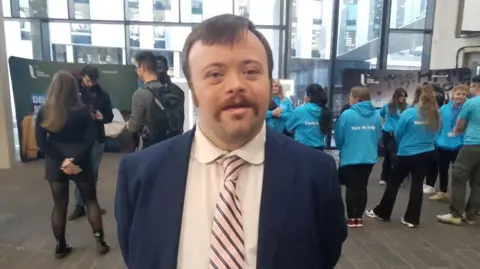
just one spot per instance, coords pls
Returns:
(231, 166)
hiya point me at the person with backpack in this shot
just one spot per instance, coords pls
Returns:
(158, 111)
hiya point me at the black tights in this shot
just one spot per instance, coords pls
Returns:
(60, 193)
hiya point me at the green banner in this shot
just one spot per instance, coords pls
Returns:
(31, 79)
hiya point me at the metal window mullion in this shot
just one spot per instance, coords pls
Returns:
(14, 8)
(287, 39)
(126, 27)
(384, 35)
(71, 9)
(45, 40)
(180, 11)
(333, 60)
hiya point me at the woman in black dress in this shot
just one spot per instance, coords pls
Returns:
(65, 133)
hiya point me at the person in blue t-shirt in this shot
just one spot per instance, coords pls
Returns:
(390, 114)
(447, 146)
(357, 132)
(467, 165)
(311, 122)
(277, 118)
(415, 136)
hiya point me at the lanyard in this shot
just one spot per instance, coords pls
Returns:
(454, 113)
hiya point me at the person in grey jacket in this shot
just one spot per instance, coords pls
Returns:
(152, 71)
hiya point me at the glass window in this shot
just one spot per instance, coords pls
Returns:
(310, 41)
(32, 8)
(20, 38)
(199, 10)
(265, 12)
(273, 38)
(87, 54)
(165, 40)
(81, 9)
(88, 34)
(153, 10)
(408, 14)
(405, 51)
(7, 12)
(311, 28)
(57, 9)
(17, 45)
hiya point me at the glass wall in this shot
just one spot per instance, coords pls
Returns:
(313, 41)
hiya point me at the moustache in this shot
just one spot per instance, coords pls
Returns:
(238, 101)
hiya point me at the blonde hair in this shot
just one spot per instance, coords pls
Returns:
(428, 106)
(362, 93)
(280, 86)
(62, 95)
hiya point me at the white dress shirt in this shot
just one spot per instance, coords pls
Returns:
(204, 182)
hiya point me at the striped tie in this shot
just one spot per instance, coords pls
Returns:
(227, 246)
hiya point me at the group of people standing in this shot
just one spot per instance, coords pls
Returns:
(70, 131)
(420, 140)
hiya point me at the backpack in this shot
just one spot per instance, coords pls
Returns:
(166, 112)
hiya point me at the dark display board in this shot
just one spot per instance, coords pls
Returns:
(31, 79)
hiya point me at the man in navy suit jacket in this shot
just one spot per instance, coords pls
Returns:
(273, 204)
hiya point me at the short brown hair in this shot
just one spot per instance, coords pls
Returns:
(224, 29)
(461, 87)
(362, 93)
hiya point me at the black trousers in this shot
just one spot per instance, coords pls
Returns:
(417, 166)
(387, 163)
(440, 168)
(356, 180)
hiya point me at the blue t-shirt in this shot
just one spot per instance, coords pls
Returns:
(448, 115)
(470, 113)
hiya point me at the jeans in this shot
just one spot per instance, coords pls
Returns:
(97, 154)
(466, 169)
(417, 166)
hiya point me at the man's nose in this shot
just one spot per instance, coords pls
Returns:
(235, 83)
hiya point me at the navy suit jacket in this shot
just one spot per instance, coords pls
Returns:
(302, 223)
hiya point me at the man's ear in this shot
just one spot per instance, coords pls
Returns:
(194, 97)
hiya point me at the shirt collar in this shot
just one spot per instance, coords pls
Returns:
(253, 152)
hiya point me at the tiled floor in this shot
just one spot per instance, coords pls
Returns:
(26, 238)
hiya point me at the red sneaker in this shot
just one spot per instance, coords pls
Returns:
(351, 223)
(359, 223)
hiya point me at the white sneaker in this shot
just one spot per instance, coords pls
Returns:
(428, 189)
(408, 224)
(372, 214)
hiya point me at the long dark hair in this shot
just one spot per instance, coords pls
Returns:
(395, 104)
(61, 97)
(318, 96)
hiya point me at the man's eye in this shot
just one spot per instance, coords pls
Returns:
(252, 72)
(214, 74)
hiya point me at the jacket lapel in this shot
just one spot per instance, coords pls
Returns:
(277, 179)
(176, 172)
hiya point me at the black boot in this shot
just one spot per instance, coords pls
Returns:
(102, 246)
(77, 213)
(62, 249)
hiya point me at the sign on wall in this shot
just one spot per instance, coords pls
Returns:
(382, 83)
